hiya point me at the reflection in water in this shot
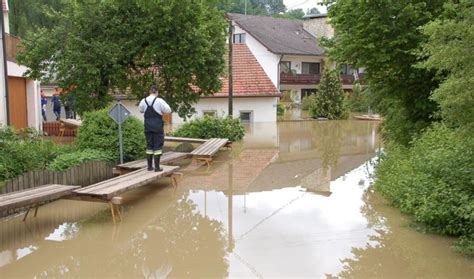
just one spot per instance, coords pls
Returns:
(292, 200)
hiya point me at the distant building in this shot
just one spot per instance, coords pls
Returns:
(23, 108)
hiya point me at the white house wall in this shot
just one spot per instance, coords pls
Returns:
(268, 60)
(296, 61)
(33, 104)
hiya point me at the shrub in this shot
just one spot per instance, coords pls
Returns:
(212, 127)
(329, 101)
(280, 109)
(433, 181)
(25, 151)
(100, 132)
(307, 101)
(67, 160)
(358, 100)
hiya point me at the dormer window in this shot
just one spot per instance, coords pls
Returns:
(239, 38)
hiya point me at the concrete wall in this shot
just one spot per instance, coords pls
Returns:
(319, 27)
(268, 60)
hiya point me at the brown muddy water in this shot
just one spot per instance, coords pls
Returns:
(292, 201)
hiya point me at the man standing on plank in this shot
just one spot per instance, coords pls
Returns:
(154, 108)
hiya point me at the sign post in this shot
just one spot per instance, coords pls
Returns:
(119, 113)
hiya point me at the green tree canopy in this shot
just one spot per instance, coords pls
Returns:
(127, 45)
(450, 51)
(329, 100)
(382, 37)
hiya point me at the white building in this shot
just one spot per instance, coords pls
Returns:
(289, 51)
(21, 108)
(255, 96)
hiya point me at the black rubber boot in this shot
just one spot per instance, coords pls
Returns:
(149, 159)
(157, 163)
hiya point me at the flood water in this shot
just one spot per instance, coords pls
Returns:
(293, 200)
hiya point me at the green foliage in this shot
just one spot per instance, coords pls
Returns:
(382, 37)
(67, 160)
(100, 132)
(307, 101)
(329, 101)
(449, 51)
(25, 151)
(254, 7)
(109, 46)
(280, 109)
(27, 15)
(292, 14)
(358, 100)
(211, 127)
(433, 181)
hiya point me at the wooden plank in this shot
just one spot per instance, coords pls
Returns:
(167, 157)
(124, 183)
(209, 148)
(180, 139)
(34, 196)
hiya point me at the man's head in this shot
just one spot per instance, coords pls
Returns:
(42, 93)
(154, 89)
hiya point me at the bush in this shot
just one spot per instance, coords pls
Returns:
(25, 151)
(67, 160)
(358, 100)
(307, 101)
(212, 127)
(433, 181)
(329, 101)
(280, 109)
(100, 132)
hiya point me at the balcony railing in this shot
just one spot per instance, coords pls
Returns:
(286, 78)
(11, 47)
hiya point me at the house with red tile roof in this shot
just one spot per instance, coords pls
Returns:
(255, 97)
(289, 51)
(21, 107)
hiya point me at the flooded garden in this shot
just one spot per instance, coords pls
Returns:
(293, 199)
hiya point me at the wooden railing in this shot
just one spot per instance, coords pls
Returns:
(11, 47)
(286, 78)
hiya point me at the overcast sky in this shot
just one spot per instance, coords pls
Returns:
(303, 4)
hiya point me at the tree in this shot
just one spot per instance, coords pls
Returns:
(254, 7)
(450, 52)
(329, 100)
(382, 37)
(292, 14)
(125, 46)
(27, 15)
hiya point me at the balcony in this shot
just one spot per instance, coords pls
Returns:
(287, 78)
(11, 47)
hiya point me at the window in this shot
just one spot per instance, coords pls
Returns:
(346, 69)
(310, 68)
(285, 67)
(239, 38)
(307, 92)
(246, 116)
(210, 113)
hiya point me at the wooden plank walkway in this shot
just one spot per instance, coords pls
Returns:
(34, 196)
(205, 151)
(189, 140)
(167, 157)
(108, 189)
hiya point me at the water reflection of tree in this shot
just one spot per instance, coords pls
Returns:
(328, 138)
(182, 243)
(391, 251)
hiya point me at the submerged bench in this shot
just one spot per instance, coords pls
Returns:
(208, 149)
(34, 197)
(108, 190)
(167, 157)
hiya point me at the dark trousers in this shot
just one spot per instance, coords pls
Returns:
(154, 143)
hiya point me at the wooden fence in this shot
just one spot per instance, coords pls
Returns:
(83, 175)
(52, 129)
